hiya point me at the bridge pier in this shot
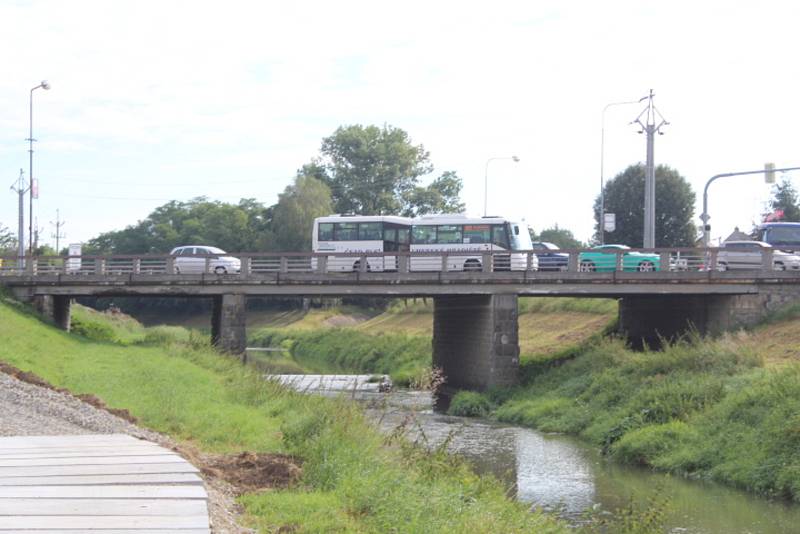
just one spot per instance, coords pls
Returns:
(228, 323)
(475, 343)
(57, 308)
(647, 319)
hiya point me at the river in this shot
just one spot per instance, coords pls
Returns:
(559, 473)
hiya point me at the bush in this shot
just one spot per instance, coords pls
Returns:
(470, 404)
(90, 329)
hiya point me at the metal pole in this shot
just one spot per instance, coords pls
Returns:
(21, 190)
(705, 217)
(602, 164)
(30, 177)
(650, 128)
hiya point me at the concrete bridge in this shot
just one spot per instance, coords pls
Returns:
(475, 339)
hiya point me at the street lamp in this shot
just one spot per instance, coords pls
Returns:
(602, 153)
(34, 189)
(515, 159)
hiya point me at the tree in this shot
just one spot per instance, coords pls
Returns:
(561, 237)
(624, 196)
(784, 203)
(370, 170)
(8, 242)
(441, 196)
(297, 207)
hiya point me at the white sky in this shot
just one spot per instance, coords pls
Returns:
(153, 101)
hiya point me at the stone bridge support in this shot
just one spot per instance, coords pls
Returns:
(646, 320)
(56, 308)
(228, 323)
(475, 342)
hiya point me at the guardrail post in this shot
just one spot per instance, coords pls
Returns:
(767, 259)
(170, 266)
(402, 264)
(362, 264)
(247, 265)
(487, 262)
(207, 264)
(664, 260)
(284, 265)
(619, 262)
(712, 261)
(99, 266)
(137, 265)
(444, 262)
(572, 261)
(30, 266)
(529, 261)
(322, 264)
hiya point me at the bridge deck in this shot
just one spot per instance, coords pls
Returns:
(98, 482)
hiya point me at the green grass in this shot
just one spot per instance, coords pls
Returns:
(706, 409)
(407, 358)
(353, 479)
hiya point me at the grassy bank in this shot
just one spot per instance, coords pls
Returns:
(706, 409)
(354, 480)
(398, 341)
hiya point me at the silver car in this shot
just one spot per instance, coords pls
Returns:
(747, 255)
(191, 259)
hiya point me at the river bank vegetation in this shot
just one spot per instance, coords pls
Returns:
(353, 479)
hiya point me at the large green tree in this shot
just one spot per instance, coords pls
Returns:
(624, 196)
(296, 209)
(784, 203)
(242, 227)
(375, 170)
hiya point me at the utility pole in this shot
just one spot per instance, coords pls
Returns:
(58, 235)
(650, 115)
(21, 188)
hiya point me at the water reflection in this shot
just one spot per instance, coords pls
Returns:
(562, 474)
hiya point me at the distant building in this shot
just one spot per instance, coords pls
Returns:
(737, 235)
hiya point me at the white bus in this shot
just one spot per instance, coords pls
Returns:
(473, 236)
(360, 234)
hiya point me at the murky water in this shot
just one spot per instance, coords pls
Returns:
(559, 473)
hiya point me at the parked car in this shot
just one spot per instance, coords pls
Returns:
(549, 259)
(735, 255)
(602, 258)
(191, 259)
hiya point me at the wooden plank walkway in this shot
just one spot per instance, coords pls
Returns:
(105, 483)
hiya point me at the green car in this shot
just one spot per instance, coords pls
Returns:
(603, 258)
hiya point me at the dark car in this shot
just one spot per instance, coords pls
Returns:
(549, 257)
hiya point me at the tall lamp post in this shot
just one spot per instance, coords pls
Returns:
(602, 166)
(34, 188)
(515, 159)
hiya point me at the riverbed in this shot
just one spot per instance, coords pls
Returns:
(558, 473)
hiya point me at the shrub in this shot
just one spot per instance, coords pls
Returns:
(470, 404)
(91, 329)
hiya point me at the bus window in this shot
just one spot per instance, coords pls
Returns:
(346, 231)
(500, 236)
(403, 235)
(448, 234)
(390, 235)
(370, 231)
(476, 233)
(424, 235)
(326, 231)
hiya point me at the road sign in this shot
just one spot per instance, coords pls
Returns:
(609, 222)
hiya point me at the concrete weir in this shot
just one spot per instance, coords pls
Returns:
(475, 342)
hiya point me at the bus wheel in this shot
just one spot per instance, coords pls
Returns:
(357, 267)
(472, 266)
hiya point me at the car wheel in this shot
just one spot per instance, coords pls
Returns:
(722, 266)
(177, 270)
(646, 267)
(220, 270)
(779, 266)
(587, 267)
(472, 266)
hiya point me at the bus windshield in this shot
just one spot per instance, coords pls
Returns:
(520, 236)
(781, 235)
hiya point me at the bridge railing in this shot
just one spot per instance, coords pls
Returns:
(585, 261)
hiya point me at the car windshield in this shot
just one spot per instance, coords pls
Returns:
(782, 235)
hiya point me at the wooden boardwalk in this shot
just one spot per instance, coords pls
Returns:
(105, 483)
